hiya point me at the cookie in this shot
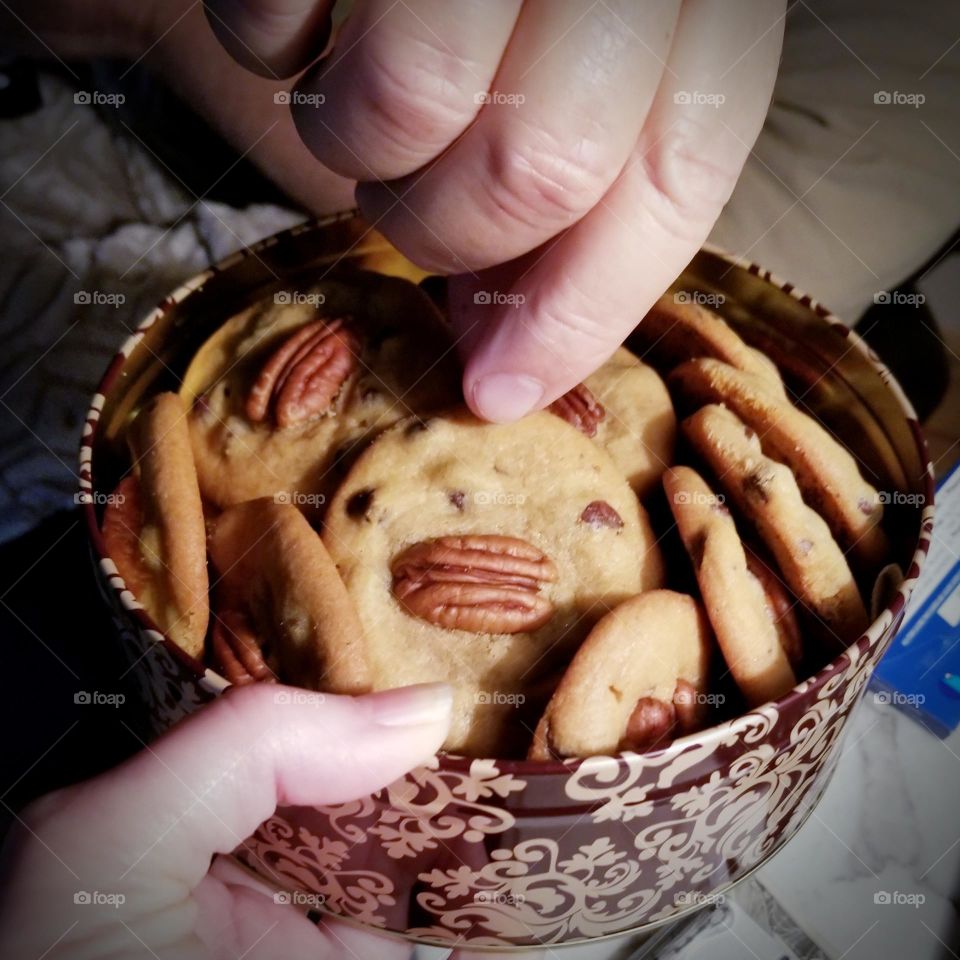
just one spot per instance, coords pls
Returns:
(626, 408)
(673, 332)
(278, 590)
(285, 393)
(481, 554)
(749, 611)
(153, 525)
(826, 472)
(766, 493)
(637, 681)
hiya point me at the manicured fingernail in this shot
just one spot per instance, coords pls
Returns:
(505, 397)
(412, 706)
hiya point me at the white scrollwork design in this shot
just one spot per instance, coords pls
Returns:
(431, 805)
(295, 857)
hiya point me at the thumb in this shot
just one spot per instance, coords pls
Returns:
(203, 788)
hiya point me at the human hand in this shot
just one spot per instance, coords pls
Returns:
(564, 162)
(145, 832)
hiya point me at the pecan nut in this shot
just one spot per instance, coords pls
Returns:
(237, 650)
(580, 408)
(655, 722)
(599, 514)
(483, 583)
(305, 374)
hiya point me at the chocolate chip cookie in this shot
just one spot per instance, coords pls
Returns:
(287, 392)
(481, 554)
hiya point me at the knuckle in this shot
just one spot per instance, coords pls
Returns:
(689, 184)
(418, 104)
(541, 181)
(569, 325)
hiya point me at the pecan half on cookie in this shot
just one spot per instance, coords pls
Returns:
(580, 408)
(304, 375)
(485, 584)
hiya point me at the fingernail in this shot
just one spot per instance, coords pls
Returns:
(505, 397)
(412, 706)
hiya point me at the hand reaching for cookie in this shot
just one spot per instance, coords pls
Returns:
(564, 163)
(121, 865)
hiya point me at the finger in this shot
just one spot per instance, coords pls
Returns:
(274, 38)
(578, 300)
(402, 83)
(236, 921)
(207, 784)
(565, 111)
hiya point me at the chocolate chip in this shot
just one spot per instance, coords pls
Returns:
(417, 426)
(456, 497)
(721, 508)
(359, 504)
(805, 546)
(865, 506)
(600, 514)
